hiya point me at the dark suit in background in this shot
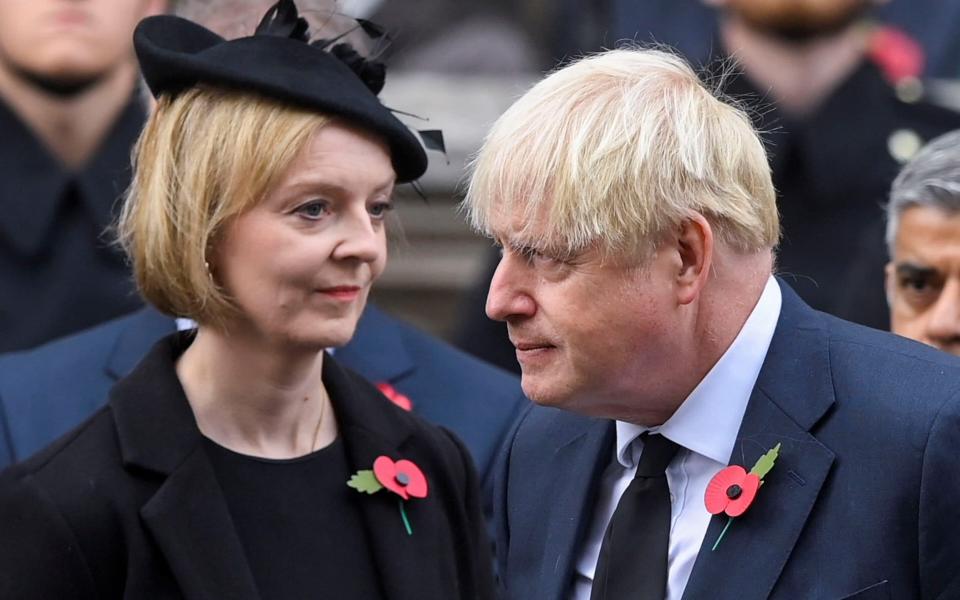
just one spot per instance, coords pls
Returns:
(49, 390)
(862, 502)
(59, 272)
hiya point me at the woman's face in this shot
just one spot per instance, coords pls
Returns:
(301, 262)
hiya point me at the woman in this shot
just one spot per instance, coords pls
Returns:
(220, 467)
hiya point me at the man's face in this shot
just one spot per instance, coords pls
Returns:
(590, 331)
(923, 279)
(69, 43)
(797, 18)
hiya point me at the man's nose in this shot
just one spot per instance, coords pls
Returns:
(509, 295)
(943, 326)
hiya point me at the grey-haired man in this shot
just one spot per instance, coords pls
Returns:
(923, 235)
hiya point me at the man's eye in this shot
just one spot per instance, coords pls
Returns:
(530, 254)
(315, 209)
(915, 284)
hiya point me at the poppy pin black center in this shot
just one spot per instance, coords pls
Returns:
(734, 491)
(404, 479)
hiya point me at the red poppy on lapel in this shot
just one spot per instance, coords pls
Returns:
(732, 490)
(401, 400)
(403, 477)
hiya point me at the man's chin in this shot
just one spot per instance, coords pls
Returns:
(59, 85)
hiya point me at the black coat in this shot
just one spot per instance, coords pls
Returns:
(833, 170)
(128, 505)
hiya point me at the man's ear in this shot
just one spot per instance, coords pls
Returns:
(695, 246)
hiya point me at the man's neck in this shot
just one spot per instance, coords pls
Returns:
(71, 128)
(799, 75)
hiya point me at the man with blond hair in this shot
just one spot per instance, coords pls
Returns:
(639, 226)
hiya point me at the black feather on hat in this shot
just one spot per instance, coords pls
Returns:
(278, 62)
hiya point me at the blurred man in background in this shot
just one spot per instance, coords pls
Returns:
(923, 235)
(689, 26)
(69, 116)
(842, 109)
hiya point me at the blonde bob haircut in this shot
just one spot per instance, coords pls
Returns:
(204, 156)
(616, 149)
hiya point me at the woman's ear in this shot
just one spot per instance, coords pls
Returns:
(695, 246)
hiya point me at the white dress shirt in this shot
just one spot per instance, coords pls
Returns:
(705, 426)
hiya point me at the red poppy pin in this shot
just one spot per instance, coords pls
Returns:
(403, 477)
(401, 400)
(732, 490)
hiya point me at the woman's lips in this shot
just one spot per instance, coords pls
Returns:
(344, 293)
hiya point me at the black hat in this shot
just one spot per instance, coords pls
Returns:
(278, 62)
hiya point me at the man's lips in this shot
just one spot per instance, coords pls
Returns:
(527, 346)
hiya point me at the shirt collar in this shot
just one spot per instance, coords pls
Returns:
(34, 183)
(709, 419)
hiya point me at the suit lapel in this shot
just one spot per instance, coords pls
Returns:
(377, 350)
(793, 392)
(141, 331)
(581, 457)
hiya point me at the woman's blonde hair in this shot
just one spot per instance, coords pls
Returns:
(614, 150)
(203, 157)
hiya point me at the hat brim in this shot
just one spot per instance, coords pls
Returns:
(176, 54)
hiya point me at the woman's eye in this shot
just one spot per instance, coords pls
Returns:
(379, 210)
(316, 209)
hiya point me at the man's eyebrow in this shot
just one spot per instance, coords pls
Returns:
(905, 269)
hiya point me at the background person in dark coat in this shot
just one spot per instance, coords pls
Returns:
(220, 467)
(69, 114)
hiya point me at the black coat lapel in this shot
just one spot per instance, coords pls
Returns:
(190, 521)
(793, 392)
(187, 516)
(409, 565)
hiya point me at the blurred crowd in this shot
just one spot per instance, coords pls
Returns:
(843, 92)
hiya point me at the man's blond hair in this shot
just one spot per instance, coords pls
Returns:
(617, 148)
(203, 157)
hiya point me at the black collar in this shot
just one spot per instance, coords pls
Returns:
(33, 183)
(157, 429)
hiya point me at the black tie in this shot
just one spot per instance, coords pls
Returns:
(633, 557)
